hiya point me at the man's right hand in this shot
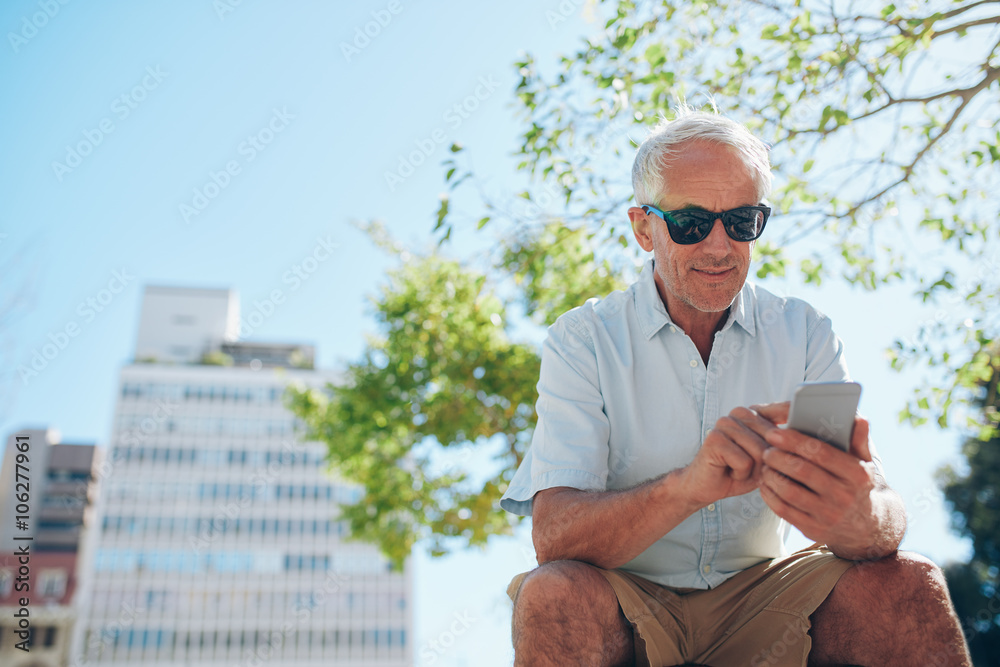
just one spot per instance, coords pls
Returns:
(729, 461)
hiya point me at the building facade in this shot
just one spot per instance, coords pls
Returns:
(219, 541)
(47, 492)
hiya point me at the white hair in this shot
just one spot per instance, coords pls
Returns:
(665, 141)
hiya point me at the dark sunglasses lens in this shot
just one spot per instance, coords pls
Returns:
(745, 224)
(687, 227)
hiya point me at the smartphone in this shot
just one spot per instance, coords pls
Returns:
(825, 410)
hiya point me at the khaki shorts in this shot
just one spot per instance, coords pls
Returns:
(757, 617)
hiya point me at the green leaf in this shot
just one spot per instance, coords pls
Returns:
(442, 212)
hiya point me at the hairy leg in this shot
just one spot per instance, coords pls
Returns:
(567, 614)
(893, 611)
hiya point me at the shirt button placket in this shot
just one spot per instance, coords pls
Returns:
(712, 527)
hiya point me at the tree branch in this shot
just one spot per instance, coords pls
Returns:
(767, 5)
(992, 74)
(962, 10)
(992, 20)
(897, 22)
(966, 94)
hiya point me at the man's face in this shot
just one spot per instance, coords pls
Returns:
(702, 278)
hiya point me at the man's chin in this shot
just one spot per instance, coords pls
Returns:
(718, 302)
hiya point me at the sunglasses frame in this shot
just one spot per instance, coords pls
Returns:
(726, 216)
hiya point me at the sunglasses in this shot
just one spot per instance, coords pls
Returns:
(692, 225)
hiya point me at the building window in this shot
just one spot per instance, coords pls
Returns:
(49, 638)
(6, 582)
(52, 583)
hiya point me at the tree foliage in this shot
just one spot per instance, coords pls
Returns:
(884, 125)
(976, 605)
(974, 497)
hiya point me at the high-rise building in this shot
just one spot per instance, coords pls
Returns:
(219, 538)
(47, 490)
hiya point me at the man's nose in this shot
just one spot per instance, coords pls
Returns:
(717, 240)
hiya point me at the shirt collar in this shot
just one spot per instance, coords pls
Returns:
(653, 316)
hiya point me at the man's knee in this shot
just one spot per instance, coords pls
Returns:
(903, 571)
(569, 609)
(565, 582)
(900, 580)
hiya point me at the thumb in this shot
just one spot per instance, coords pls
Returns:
(859, 439)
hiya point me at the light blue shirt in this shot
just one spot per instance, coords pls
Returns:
(624, 396)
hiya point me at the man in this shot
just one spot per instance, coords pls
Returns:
(660, 487)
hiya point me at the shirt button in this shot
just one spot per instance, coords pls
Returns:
(694, 363)
(673, 329)
(706, 569)
(711, 508)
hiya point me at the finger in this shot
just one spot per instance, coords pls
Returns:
(859, 439)
(776, 412)
(742, 465)
(743, 438)
(799, 469)
(801, 520)
(840, 465)
(788, 488)
(823, 454)
(753, 420)
(828, 494)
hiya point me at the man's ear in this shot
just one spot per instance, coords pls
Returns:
(640, 228)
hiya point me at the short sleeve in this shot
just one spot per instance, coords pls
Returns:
(825, 360)
(569, 446)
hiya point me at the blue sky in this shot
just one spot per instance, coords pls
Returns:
(219, 144)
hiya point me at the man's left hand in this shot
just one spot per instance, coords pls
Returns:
(826, 493)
